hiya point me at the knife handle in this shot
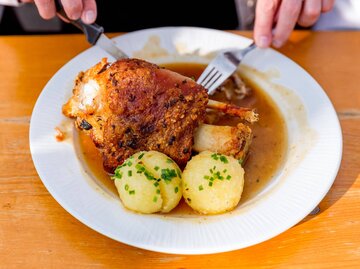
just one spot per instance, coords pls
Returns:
(91, 31)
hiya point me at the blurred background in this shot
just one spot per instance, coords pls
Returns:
(125, 16)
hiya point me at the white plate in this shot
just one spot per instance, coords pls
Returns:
(313, 157)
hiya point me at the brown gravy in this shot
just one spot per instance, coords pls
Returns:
(267, 150)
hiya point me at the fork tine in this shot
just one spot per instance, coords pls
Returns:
(210, 84)
(211, 78)
(216, 84)
(205, 74)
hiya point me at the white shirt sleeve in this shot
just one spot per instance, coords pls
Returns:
(14, 3)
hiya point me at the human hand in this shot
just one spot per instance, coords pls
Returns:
(284, 14)
(75, 9)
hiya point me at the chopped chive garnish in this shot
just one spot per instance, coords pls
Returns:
(218, 176)
(148, 175)
(129, 173)
(132, 192)
(206, 177)
(178, 173)
(215, 156)
(140, 168)
(168, 174)
(141, 155)
(155, 199)
(201, 187)
(118, 173)
(228, 177)
(156, 168)
(210, 183)
(126, 187)
(240, 161)
(129, 163)
(225, 170)
(169, 161)
(158, 191)
(189, 200)
(156, 184)
(176, 189)
(224, 159)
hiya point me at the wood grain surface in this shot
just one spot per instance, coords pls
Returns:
(36, 232)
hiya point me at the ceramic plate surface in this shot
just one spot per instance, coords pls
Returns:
(312, 160)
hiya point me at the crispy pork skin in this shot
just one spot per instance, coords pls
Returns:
(132, 105)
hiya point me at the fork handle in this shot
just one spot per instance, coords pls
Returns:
(239, 54)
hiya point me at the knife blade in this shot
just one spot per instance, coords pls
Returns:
(94, 33)
(109, 46)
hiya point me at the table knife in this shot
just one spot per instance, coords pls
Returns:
(94, 33)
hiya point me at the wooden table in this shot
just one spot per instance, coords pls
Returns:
(36, 232)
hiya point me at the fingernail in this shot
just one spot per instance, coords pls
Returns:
(89, 16)
(75, 16)
(277, 43)
(263, 41)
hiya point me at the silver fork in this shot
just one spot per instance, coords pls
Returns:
(222, 67)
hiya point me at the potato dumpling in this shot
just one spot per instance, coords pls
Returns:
(149, 182)
(212, 183)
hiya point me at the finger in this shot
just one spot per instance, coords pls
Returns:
(264, 19)
(89, 11)
(327, 5)
(73, 8)
(46, 8)
(310, 13)
(288, 15)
